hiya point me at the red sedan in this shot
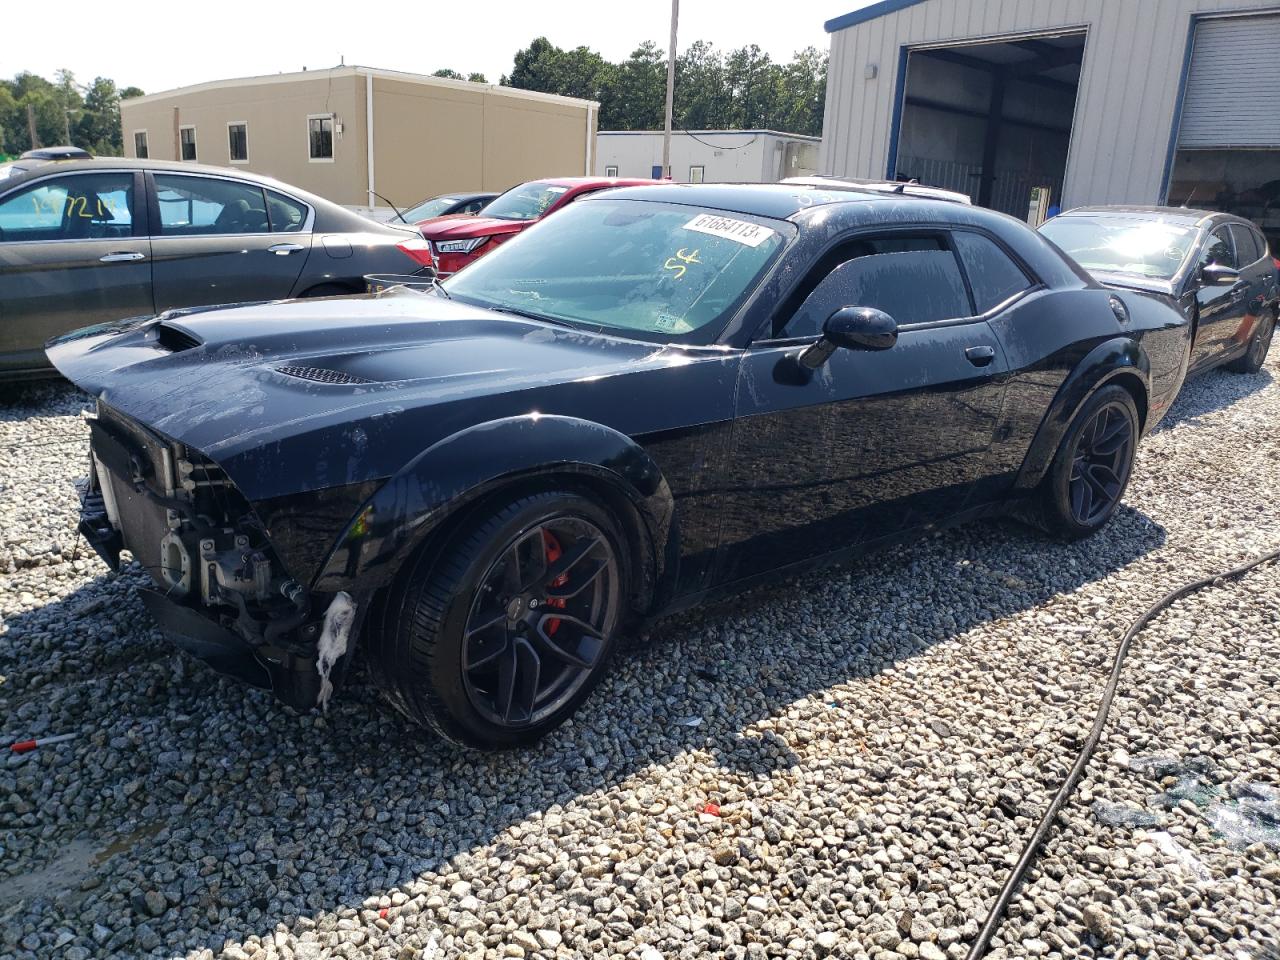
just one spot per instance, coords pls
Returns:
(458, 240)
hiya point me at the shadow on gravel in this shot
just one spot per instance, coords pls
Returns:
(244, 815)
(1213, 391)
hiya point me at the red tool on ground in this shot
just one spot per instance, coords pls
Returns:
(26, 746)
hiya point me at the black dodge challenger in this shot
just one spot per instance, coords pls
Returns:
(660, 393)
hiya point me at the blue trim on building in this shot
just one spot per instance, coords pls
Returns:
(875, 10)
(899, 100)
(1177, 108)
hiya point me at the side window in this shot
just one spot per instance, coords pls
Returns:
(611, 170)
(91, 206)
(697, 174)
(1247, 251)
(206, 206)
(1217, 249)
(140, 144)
(994, 277)
(913, 279)
(286, 214)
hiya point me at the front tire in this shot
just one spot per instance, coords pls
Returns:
(496, 639)
(1259, 344)
(1091, 470)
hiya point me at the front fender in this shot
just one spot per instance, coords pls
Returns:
(1117, 358)
(471, 464)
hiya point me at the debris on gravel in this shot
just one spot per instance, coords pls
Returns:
(877, 741)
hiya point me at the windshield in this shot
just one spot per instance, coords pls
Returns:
(429, 208)
(657, 271)
(1144, 248)
(528, 201)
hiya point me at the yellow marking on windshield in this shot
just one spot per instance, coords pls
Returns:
(678, 264)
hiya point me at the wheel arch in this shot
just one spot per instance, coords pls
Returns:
(1120, 361)
(448, 483)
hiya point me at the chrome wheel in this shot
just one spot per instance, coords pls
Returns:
(1261, 343)
(539, 620)
(1100, 464)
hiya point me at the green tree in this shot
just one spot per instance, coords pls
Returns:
(476, 78)
(637, 98)
(99, 126)
(448, 74)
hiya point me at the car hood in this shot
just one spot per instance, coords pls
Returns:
(465, 227)
(336, 384)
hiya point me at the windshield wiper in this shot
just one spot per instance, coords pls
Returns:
(529, 315)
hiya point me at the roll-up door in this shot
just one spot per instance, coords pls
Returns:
(1233, 90)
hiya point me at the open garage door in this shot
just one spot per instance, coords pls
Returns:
(991, 119)
(1229, 138)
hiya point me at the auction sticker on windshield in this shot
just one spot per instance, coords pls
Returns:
(739, 231)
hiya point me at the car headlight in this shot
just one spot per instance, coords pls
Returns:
(459, 246)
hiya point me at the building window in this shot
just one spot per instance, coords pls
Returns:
(611, 170)
(140, 144)
(696, 174)
(320, 137)
(238, 141)
(187, 140)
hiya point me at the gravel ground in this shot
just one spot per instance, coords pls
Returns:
(878, 739)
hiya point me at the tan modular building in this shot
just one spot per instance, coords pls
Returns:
(1099, 101)
(349, 133)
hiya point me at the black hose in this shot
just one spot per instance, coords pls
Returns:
(998, 909)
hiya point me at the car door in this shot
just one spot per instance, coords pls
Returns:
(1258, 273)
(872, 442)
(1221, 308)
(222, 240)
(73, 251)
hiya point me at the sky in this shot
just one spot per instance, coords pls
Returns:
(163, 44)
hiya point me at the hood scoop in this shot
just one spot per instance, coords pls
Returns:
(322, 375)
(174, 338)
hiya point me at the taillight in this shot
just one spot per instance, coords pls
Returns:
(417, 249)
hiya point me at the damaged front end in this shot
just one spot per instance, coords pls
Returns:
(222, 592)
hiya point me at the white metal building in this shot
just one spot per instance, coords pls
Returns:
(711, 156)
(1103, 101)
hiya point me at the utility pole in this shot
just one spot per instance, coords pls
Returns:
(31, 125)
(671, 89)
(66, 121)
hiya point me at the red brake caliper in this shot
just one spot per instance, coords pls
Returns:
(554, 552)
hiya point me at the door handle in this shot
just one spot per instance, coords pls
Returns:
(980, 355)
(284, 249)
(122, 257)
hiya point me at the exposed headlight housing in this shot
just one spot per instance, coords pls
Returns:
(459, 246)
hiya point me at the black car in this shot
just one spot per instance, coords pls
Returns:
(658, 394)
(445, 205)
(1214, 266)
(85, 240)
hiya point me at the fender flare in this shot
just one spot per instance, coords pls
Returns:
(1119, 358)
(463, 468)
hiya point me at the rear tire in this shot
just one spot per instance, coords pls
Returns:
(1259, 344)
(1091, 470)
(473, 644)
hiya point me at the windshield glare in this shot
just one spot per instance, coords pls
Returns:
(657, 271)
(1145, 248)
(528, 201)
(429, 208)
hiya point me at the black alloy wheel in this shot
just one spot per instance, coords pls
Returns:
(538, 622)
(1256, 355)
(1091, 469)
(1100, 464)
(494, 635)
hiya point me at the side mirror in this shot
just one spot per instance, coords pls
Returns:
(853, 328)
(1218, 275)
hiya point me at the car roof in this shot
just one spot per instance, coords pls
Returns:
(28, 169)
(1184, 215)
(595, 181)
(777, 200)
